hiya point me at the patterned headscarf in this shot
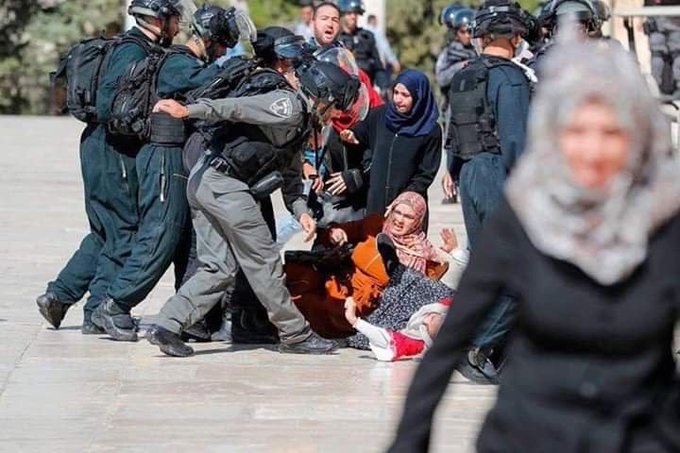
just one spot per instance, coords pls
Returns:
(604, 234)
(413, 247)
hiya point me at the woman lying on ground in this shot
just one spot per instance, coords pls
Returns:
(387, 275)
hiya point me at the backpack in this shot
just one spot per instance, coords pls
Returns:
(82, 70)
(472, 127)
(136, 95)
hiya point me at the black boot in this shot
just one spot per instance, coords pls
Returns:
(250, 325)
(388, 252)
(478, 368)
(314, 344)
(90, 329)
(169, 342)
(52, 309)
(120, 326)
(198, 332)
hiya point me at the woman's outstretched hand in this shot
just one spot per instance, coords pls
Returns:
(450, 240)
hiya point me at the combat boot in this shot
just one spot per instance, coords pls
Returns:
(314, 344)
(52, 309)
(120, 326)
(169, 342)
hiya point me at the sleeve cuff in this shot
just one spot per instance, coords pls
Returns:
(197, 111)
(300, 207)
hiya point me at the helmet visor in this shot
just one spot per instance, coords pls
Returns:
(339, 56)
(245, 26)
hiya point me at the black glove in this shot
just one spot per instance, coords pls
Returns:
(353, 180)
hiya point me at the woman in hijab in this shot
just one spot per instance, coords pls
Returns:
(401, 142)
(588, 236)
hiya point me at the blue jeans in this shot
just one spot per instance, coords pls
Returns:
(481, 190)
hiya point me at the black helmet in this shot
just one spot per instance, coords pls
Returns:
(602, 10)
(161, 9)
(328, 83)
(533, 35)
(582, 10)
(264, 45)
(214, 23)
(448, 14)
(351, 6)
(500, 17)
(460, 17)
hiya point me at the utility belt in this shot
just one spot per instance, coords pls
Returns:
(166, 130)
(260, 189)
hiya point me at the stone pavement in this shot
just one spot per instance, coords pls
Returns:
(61, 391)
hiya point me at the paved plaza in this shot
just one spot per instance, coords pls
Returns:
(62, 391)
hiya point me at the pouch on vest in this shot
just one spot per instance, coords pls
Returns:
(135, 96)
(82, 69)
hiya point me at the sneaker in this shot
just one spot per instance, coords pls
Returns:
(120, 327)
(169, 342)
(52, 309)
(314, 344)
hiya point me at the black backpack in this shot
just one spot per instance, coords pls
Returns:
(82, 70)
(136, 95)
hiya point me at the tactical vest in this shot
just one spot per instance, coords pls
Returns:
(473, 127)
(248, 148)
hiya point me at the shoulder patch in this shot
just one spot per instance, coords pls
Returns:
(282, 107)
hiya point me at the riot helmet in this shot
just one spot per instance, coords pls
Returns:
(328, 84)
(602, 11)
(351, 6)
(264, 44)
(458, 17)
(165, 10)
(582, 10)
(499, 17)
(225, 26)
(448, 14)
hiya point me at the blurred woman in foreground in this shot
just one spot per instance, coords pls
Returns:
(588, 236)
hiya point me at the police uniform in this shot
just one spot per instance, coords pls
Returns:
(231, 232)
(163, 209)
(109, 177)
(483, 174)
(363, 46)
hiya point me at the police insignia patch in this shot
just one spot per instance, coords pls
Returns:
(282, 107)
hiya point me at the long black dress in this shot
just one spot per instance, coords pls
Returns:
(590, 368)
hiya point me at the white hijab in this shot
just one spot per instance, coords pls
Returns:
(606, 236)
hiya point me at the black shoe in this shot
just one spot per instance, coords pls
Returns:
(388, 252)
(314, 344)
(479, 369)
(90, 329)
(52, 309)
(120, 327)
(252, 326)
(169, 342)
(198, 333)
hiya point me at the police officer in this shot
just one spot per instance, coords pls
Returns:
(361, 42)
(664, 44)
(109, 176)
(264, 137)
(163, 209)
(583, 11)
(457, 53)
(489, 107)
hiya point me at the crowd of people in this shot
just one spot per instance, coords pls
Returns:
(571, 293)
